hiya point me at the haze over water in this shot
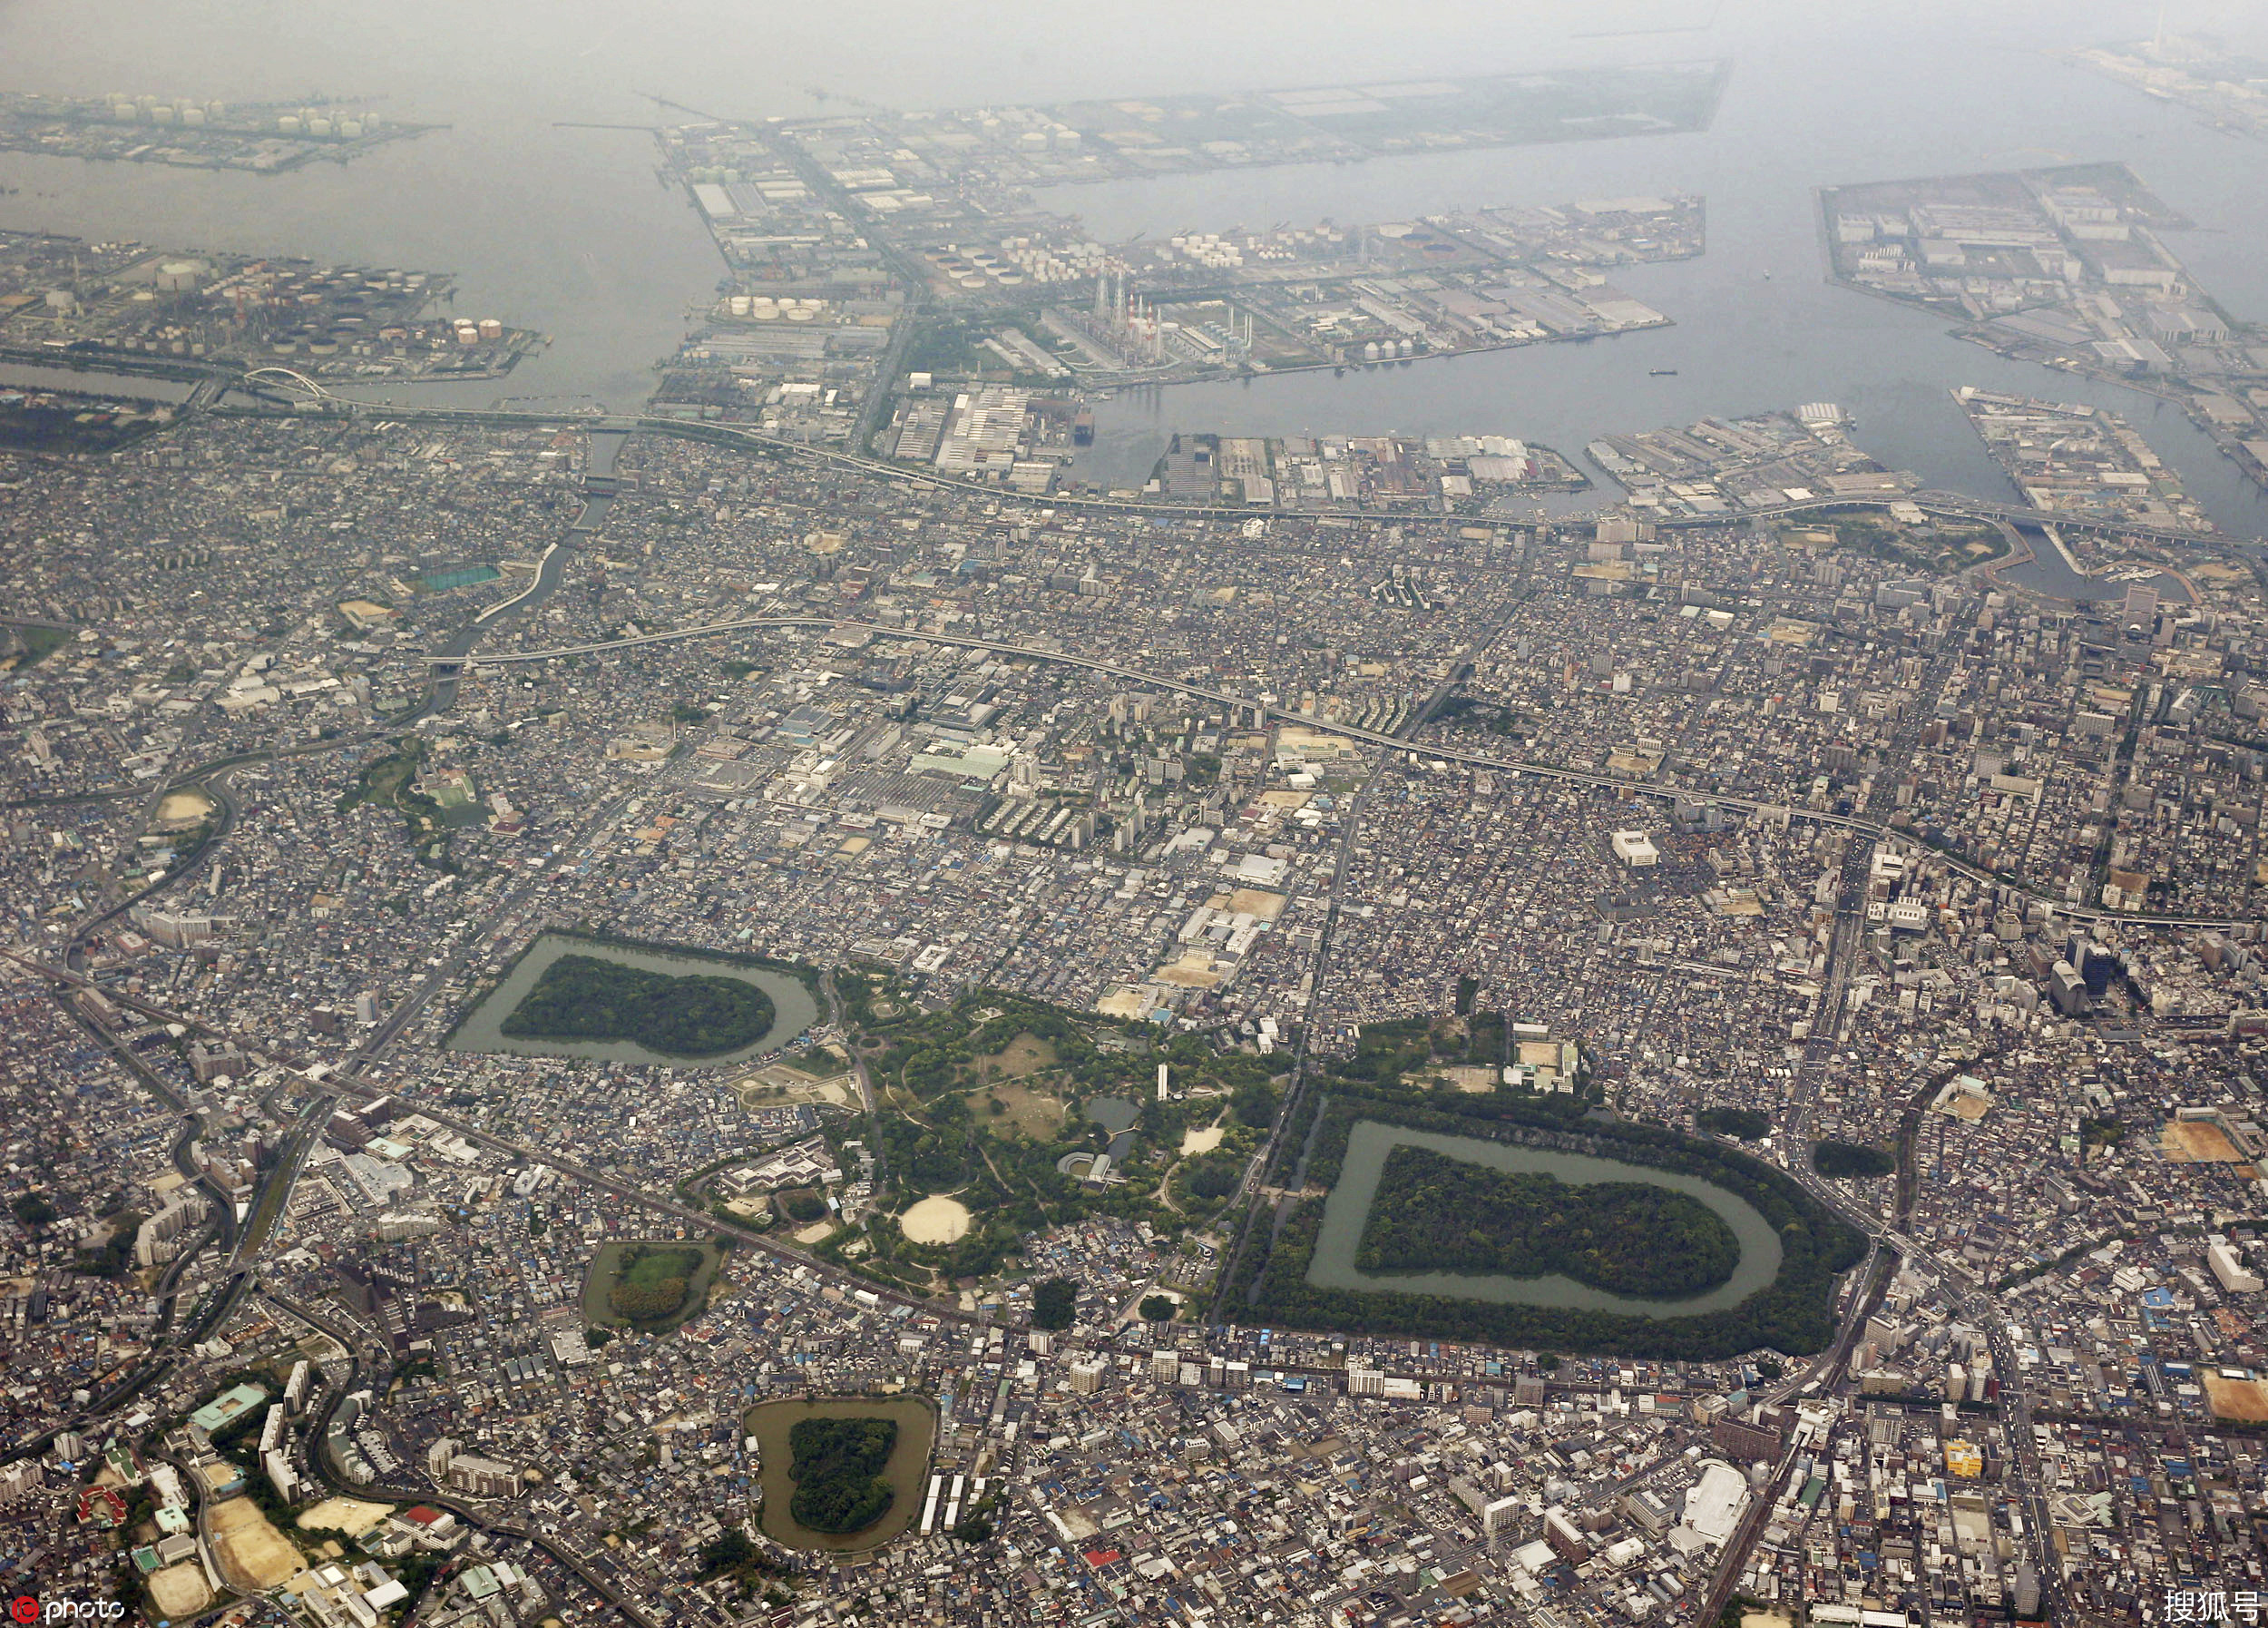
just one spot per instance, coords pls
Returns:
(569, 230)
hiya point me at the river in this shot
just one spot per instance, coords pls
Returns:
(605, 449)
(1348, 1208)
(794, 1009)
(22, 375)
(550, 223)
(2051, 571)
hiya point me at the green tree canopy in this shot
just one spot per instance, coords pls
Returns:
(583, 998)
(1433, 1214)
(1054, 1303)
(837, 1465)
(1742, 1124)
(1851, 1159)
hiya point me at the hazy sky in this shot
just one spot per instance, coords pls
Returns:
(582, 58)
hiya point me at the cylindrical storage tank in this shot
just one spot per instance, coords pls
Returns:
(802, 313)
(492, 329)
(467, 334)
(739, 305)
(351, 129)
(1370, 351)
(318, 126)
(193, 117)
(288, 124)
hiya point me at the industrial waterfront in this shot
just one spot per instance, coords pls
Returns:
(547, 206)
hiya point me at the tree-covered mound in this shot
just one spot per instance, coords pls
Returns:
(1436, 1213)
(1795, 1313)
(653, 1283)
(1055, 1304)
(1744, 1124)
(836, 1466)
(582, 997)
(1851, 1159)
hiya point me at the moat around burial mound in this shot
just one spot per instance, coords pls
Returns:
(611, 1000)
(830, 1476)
